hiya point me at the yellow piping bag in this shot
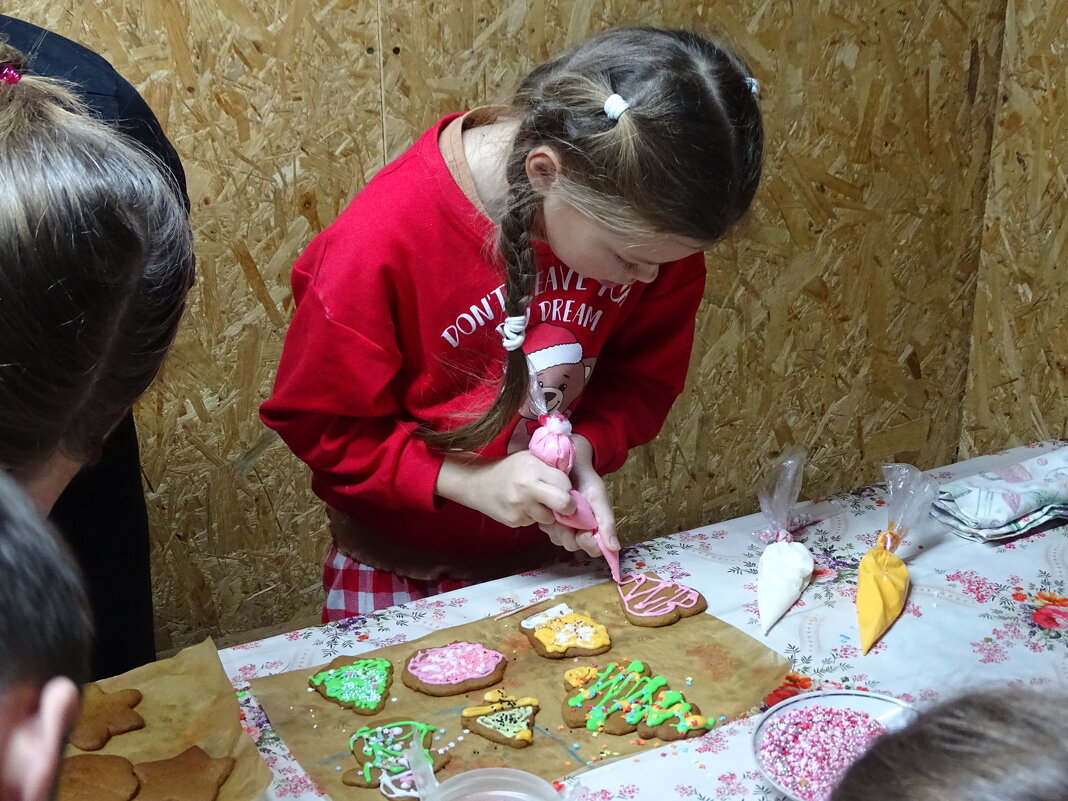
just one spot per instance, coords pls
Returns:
(882, 578)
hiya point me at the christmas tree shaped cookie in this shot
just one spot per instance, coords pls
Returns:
(357, 684)
(622, 699)
(503, 719)
(382, 751)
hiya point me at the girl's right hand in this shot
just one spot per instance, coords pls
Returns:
(518, 490)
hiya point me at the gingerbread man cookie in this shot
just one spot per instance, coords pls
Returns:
(104, 715)
(96, 777)
(190, 776)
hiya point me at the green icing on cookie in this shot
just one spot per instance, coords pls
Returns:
(361, 684)
(387, 745)
(640, 698)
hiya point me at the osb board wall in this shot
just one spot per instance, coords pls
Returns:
(1018, 382)
(838, 317)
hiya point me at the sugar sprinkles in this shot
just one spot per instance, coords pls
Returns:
(806, 750)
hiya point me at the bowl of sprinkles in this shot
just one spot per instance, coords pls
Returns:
(804, 744)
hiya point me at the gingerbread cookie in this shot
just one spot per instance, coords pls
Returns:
(382, 751)
(96, 777)
(620, 700)
(504, 719)
(567, 635)
(544, 616)
(649, 600)
(358, 684)
(458, 667)
(190, 776)
(103, 716)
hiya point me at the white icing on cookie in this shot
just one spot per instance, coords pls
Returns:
(545, 616)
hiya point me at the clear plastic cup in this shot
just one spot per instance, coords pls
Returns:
(481, 784)
(493, 784)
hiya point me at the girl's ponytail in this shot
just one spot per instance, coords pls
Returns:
(95, 263)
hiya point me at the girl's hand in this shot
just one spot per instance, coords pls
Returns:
(518, 490)
(591, 485)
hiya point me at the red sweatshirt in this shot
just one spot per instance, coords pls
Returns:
(397, 306)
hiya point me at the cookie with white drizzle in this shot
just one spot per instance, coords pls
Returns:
(382, 751)
(649, 600)
(503, 718)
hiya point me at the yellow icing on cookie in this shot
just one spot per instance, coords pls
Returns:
(573, 630)
(576, 677)
(496, 701)
(505, 714)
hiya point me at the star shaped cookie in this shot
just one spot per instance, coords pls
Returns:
(190, 776)
(104, 715)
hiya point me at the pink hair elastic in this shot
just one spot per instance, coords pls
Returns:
(10, 74)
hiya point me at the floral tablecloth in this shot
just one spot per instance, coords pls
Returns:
(978, 615)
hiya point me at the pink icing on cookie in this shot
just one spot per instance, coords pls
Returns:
(455, 663)
(648, 597)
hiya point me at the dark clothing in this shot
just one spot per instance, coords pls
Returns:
(102, 513)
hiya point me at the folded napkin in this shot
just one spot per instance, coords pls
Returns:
(1008, 501)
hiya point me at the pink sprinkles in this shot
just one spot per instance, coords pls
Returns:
(806, 750)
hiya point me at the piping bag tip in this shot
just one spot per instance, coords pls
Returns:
(583, 519)
(610, 555)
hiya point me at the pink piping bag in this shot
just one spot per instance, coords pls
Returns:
(552, 443)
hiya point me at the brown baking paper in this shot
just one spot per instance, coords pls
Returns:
(188, 700)
(731, 672)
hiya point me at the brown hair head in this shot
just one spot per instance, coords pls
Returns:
(684, 159)
(95, 263)
(994, 745)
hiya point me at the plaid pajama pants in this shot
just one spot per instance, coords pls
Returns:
(353, 588)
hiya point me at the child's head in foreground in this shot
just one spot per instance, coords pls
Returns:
(45, 635)
(994, 745)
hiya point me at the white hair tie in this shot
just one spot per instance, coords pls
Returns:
(753, 84)
(614, 107)
(513, 331)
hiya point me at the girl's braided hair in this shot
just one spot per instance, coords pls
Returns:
(684, 160)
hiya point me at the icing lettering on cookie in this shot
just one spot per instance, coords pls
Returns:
(573, 630)
(386, 747)
(645, 596)
(545, 616)
(454, 663)
(362, 684)
(639, 696)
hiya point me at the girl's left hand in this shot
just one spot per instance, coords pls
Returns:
(591, 485)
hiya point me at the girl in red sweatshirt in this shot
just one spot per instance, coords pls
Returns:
(557, 241)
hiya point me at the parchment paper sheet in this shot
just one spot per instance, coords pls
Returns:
(188, 700)
(732, 673)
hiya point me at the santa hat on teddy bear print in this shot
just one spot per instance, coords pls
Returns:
(549, 345)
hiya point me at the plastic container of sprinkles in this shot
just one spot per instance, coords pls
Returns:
(804, 744)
